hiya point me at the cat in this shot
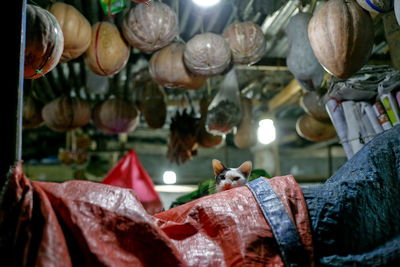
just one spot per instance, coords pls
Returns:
(227, 178)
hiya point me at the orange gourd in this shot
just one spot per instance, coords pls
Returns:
(76, 30)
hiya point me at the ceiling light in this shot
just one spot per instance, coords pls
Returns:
(266, 131)
(169, 177)
(206, 3)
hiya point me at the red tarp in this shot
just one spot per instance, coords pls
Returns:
(129, 173)
(92, 224)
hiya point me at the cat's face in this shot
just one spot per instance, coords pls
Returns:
(227, 178)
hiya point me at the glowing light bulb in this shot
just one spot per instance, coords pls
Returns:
(266, 131)
(169, 177)
(206, 3)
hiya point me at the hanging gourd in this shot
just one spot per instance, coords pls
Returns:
(207, 54)
(313, 105)
(31, 113)
(204, 138)
(377, 6)
(153, 105)
(246, 41)
(44, 42)
(168, 69)
(301, 60)
(314, 130)
(76, 30)
(114, 116)
(341, 35)
(108, 53)
(66, 114)
(150, 27)
(246, 135)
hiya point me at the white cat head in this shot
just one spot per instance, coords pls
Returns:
(227, 178)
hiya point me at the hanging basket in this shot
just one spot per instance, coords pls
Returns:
(314, 130)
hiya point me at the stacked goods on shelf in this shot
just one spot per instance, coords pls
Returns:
(364, 106)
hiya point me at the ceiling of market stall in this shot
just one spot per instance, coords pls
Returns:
(267, 83)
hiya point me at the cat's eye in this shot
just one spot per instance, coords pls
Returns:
(222, 177)
(236, 178)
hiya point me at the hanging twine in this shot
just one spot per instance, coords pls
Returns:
(338, 102)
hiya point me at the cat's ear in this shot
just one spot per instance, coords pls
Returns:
(217, 166)
(245, 168)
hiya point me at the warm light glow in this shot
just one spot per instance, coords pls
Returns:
(169, 177)
(266, 131)
(206, 3)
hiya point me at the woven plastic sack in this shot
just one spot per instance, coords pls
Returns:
(83, 223)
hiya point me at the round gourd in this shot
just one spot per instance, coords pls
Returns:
(151, 27)
(377, 6)
(246, 41)
(31, 113)
(314, 130)
(66, 114)
(115, 116)
(76, 30)
(313, 105)
(207, 54)
(341, 35)
(168, 69)
(108, 53)
(44, 42)
(153, 105)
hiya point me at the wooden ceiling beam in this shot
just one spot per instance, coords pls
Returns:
(284, 95)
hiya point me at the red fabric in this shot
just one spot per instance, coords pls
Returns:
(90, 224)
(129, 173)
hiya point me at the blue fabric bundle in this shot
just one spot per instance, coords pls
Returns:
(355, 215)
